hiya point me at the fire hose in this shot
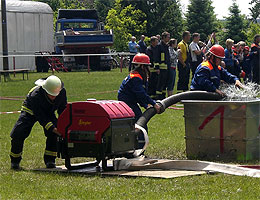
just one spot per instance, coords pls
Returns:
(165, 103)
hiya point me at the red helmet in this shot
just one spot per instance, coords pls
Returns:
(217, 51)
(141, 58)
(246, 48)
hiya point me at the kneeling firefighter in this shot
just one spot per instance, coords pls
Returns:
(133, 90)
(40, 105)
(209, 73)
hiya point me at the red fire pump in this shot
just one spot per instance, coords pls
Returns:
(98, 129)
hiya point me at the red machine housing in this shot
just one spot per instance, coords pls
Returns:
(100, 129)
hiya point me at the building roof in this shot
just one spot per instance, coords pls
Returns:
(27, 6)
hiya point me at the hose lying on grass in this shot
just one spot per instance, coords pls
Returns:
(165, 103)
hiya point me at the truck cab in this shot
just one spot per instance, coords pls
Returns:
(80, 32)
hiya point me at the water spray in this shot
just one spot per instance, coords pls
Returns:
(250, 91)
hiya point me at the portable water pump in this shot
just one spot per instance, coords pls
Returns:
(98, 129)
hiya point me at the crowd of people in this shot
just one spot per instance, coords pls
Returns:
(167, 56)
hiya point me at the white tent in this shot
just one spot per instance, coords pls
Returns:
(29, 30)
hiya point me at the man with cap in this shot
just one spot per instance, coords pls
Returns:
(209, 74)
(40, 105)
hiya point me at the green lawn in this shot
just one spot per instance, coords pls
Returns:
(166, 133)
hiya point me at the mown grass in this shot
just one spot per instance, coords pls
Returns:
(166, 133)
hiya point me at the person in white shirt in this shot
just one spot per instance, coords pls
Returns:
(196, 52)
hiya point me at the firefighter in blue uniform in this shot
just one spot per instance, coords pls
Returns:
(133, 90)
(209, 74)
(40, 105)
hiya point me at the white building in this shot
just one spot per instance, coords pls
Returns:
(29, 30)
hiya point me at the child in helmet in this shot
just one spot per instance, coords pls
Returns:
(133, 90)
(246, 64)
(209, 74)
(40, 105)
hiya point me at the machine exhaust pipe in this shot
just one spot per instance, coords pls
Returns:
(165, 103)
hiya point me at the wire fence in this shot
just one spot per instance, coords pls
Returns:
(56, 61)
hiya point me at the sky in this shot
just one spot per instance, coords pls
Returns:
(221, 7)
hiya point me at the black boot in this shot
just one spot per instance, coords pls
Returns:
(15, 166)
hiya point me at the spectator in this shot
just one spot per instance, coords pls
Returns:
(172, 70)
(238, 57)
(184, 62)
(152, 52)
(164, 65)
(229, 57)
(142, 45)
(246, 65)
(133, 48)
(196, 52)
(159, 38)
(255, 50)
(212, 41)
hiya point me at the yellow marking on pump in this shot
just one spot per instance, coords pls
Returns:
(84, 123)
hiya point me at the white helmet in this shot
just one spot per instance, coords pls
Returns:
(52, 85)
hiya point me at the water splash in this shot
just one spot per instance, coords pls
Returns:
(251, 91)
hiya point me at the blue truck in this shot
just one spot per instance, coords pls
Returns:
(80, 32)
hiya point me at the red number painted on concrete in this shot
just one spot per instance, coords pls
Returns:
(220, 110)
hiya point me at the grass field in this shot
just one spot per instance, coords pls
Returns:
(166, 133)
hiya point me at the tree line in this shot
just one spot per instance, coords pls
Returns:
(151, 17)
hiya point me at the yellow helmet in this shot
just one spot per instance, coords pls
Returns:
(52, 85)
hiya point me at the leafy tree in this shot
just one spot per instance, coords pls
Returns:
(160, 15)
(253, 29)
(201, 18)
(125, 22)
(64, 4)
(255, 10)
(103, 6)
(236, 24)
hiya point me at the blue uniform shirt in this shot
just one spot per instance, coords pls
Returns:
(133, 90)
(207, 77)
(133, 47)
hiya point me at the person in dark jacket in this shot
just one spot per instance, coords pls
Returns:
(255, 50)
(133, 90)
(164, 64)
(142, 45)
(152, 52)
(246, 64)
(40, 105)
(209, 74)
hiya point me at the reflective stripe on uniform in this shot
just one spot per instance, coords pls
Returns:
(25, 109)
(209, 65)
(50, 153)
(16, 155)
(163, 66)
(162, 57)
(48, 125)
(136, 74)
(33, 89)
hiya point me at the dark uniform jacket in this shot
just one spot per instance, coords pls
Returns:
(255, 56)
(152, 52)
(163, 56)
(207, 77)
(42, 108)
(134, 90)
